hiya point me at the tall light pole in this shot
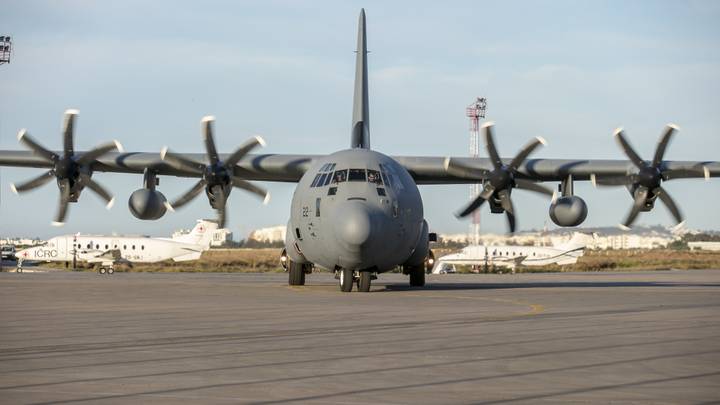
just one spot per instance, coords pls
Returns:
(474, 112)
(5, 49)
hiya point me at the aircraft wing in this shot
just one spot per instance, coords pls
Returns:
(433, 170)
(265, 167)
(424, 169)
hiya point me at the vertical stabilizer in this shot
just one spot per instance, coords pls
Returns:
(201, 234)
(361, 114)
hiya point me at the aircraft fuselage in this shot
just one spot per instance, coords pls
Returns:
(356, 209)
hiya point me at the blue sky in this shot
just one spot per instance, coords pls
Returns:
(147, 72)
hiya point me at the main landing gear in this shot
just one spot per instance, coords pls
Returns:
(297, 272)
(106, 270)
(417, 275)
(347, 278)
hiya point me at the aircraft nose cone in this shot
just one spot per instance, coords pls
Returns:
(353, 224)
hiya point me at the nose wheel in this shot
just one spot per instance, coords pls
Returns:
(364, 281)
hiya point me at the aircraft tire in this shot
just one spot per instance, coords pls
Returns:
(417, 276)
(111, 271)
(364, 281)
(346, 280)
(19, 270)
(296, 275)
(101, 270)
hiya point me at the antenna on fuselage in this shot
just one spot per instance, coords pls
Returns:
(360, 136)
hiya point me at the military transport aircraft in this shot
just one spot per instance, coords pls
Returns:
(357, 211)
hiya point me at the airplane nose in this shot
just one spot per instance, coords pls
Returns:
(353, 225)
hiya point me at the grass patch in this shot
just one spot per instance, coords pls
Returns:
(268, 260)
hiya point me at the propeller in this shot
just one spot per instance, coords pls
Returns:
(72, 172)
(646, 185)
(217, 176)
(498, 182)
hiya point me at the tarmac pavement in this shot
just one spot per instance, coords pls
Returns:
(645, 337)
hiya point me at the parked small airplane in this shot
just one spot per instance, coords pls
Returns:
(514, 256)
(106, 251)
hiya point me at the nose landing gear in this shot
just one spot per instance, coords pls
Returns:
(347, 278)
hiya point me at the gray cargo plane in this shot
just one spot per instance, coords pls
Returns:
(357, 212)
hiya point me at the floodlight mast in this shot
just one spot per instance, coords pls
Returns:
(475, 112)
(5, 49)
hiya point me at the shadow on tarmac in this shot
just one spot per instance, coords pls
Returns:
(542, 284)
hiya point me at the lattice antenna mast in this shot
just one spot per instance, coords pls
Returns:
(5, 48)
(475, 112)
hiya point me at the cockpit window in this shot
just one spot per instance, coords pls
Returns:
(315, 181)
(327, 179)
(339, 176)
(385, 177)
(356, 175)
(323, 176)
(373, 176)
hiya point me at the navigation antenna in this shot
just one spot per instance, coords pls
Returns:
(5, 48)
(475, 111)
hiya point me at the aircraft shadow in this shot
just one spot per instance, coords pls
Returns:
(567, 284)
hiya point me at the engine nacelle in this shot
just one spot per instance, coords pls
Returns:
(568, 211)
(147, 204)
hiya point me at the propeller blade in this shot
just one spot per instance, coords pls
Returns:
(93, 154)
(36, 148)
(188, 196)
(640, 198)
(532, 186)
(180, 162)
(243, 150)
(460, 169)
(506, 203)
(673, 174)
(629, 151)
(663, 143)
(613, 180)
(222, 216)
(221, 212)
(250, 187)
(68, 129)
(484, 195)
(669, 203)
(34, 183)
(64, 186)
(207, 123)
(490, 145)
(526, 151)
(470, 208)
(100, 191)
(511, 221)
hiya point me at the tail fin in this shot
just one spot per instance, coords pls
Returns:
(361, 114)
(579, 240)
(201, 234)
